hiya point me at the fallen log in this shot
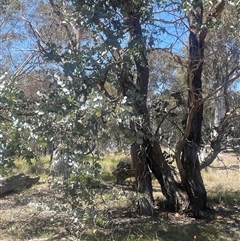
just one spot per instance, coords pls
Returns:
(16, 183)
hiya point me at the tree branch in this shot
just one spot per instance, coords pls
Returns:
(178, 59)
(213, 14)
(73, 40)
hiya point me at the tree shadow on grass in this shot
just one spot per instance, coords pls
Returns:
(165, 229)
(123, 223)
(222, 224)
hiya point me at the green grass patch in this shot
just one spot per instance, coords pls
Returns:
(225, 198)
(109, 164)
(162, 229)
(38, 167)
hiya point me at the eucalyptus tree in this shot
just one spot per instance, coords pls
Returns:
(117, 55)
(101, 75)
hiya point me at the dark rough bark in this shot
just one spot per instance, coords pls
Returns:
(16, 183)
(171, 189)
(148, 154)
(144, 180)
(192, 180)
(140, 111)
(190, 166)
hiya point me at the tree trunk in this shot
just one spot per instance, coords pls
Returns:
(192, 180)
(148, 154)
(171, 188)
(141, 122)
(187, 152)
(144, 180)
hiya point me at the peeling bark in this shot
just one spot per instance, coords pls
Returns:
(189, 162)
(191, 192)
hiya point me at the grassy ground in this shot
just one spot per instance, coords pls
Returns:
(40, 213)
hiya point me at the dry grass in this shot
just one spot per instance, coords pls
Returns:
(225, 178)
(35, 214)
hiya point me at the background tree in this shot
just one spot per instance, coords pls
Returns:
(223, 50)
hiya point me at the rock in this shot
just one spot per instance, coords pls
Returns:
(16, 183)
